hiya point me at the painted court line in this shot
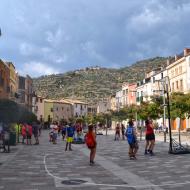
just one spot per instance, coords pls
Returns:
(115, 170)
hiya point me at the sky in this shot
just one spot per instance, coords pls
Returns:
(43, 37)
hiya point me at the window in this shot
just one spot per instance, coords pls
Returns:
(153, 79)
(57, 109)
(76, 105)
(172, 86)
(40, 100)
(180, 69)
(181, 84)
(123, 92)
(162, 75)
(176, 71)
(177, 85)
(172, 72)
(51, 109)
(62, 108)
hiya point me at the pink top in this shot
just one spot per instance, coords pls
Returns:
(29, 129)
(23, 131)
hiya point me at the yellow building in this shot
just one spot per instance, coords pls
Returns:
(48, 110)
(4, 80)
(13, 83)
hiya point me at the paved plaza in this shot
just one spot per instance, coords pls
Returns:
(48, 167)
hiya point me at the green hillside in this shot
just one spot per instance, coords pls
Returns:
(93, 84)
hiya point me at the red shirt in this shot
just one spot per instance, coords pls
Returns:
(149, 129)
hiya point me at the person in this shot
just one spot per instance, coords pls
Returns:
(123, 131)
(132, 140)
(63, 131)
(23, 132)
(28, 134)
(117, 132)
(70, 130)
(150, 138)
(35, 130)
(90, 140)
(55, 133)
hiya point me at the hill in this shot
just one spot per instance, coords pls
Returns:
(95, 83)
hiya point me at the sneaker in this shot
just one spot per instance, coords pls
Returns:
(91, 163)
(145, 152)
(152, 154)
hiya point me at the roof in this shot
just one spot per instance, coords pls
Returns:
(57, 101)
(72, 101)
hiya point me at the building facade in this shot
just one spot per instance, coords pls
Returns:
(118, 98)
(149, 86)
(62, 110)
(128, 94)
(38, 107)
(103, 106)
(179, 72)
(4, 80)
(25, 91)
(13, 82)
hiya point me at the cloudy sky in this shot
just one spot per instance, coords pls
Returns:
(54, 36)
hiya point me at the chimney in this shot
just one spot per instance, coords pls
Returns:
(168, 62)
(186, 51)
(176, 57)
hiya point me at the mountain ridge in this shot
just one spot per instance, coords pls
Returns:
(92, 84)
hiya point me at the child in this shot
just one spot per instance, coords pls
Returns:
(90, 139)
(70, 130)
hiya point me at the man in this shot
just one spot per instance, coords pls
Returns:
(35, 128)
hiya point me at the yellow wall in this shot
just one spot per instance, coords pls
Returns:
(13, 79)
(47, 110)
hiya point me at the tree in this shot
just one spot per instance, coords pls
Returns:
(11, 112)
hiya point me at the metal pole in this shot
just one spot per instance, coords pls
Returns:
(170, 131)
(164, 118)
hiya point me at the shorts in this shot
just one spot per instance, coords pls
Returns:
(28, 136)
(134, 145)
(69, 139)
(150, 137)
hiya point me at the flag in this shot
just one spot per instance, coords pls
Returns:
(0, 31)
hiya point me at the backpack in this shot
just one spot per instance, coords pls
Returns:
(89, 140)
(130, 135)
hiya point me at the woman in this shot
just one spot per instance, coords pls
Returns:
(90, 139)
(117, 132)
(150, 138)
(132, 140)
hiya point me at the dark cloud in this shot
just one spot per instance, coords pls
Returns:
(64, 35)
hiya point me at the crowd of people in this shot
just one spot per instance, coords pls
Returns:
(28, 132)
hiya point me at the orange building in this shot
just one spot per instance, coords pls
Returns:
(4, 80)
